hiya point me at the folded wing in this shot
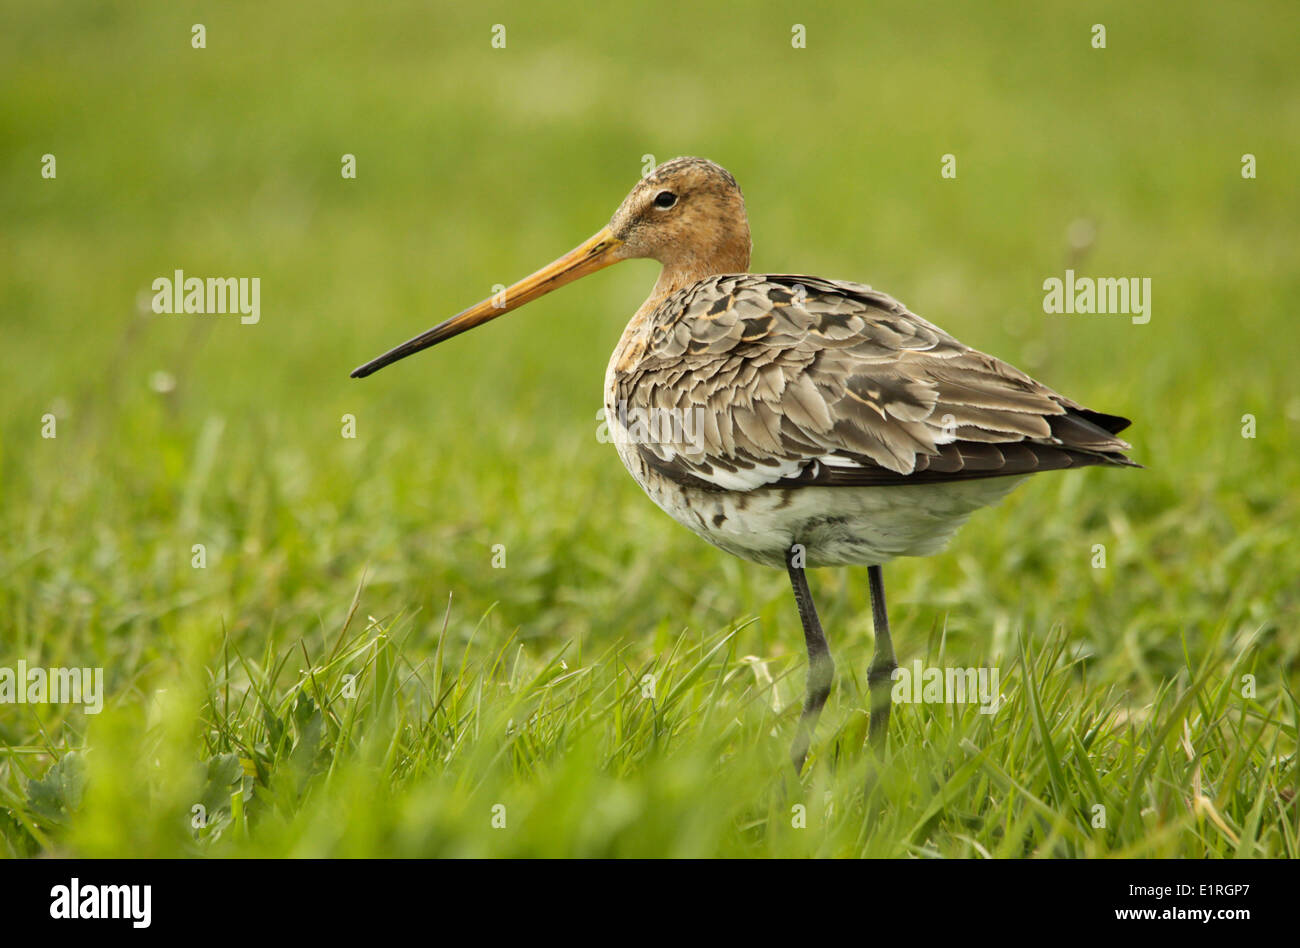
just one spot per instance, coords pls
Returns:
(782, 380)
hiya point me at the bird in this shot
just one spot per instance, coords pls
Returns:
(795, 421)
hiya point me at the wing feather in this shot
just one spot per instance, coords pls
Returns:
(792, 380)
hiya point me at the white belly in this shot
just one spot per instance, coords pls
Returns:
(837, 526)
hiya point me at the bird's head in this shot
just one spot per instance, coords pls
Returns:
(687, 213)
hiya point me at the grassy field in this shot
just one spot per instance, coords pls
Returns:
(349, 673)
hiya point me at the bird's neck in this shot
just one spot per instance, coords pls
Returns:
(678, 274)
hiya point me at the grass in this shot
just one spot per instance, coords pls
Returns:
(350, 674)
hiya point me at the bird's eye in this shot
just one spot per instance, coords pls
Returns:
(665, 199)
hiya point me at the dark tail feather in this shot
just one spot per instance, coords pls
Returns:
(1112, 423)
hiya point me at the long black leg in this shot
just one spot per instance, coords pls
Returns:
(821, 669)
(880, 675)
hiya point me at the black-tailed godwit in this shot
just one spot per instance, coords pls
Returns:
(809, 422)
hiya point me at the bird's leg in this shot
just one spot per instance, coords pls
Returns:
(821, 669)
(880, 675)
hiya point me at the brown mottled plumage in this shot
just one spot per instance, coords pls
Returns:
(813, 422)
(845, 386)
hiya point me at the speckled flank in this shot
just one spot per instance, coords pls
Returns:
(837, 526)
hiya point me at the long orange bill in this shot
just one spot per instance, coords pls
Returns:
(596, 253)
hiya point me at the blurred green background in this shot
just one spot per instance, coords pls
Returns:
(474, 166)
